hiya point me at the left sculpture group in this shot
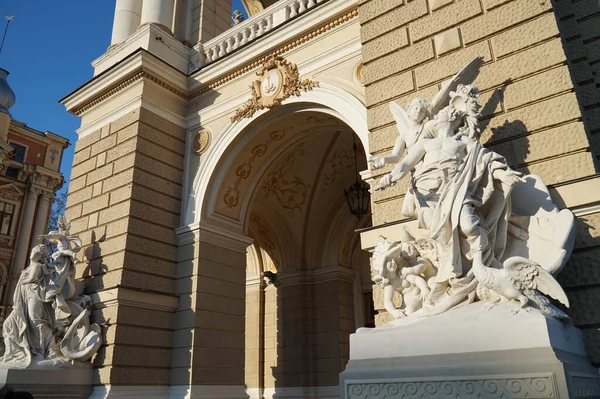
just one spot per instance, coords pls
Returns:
(49, 324)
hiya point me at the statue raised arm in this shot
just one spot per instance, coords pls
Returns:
(410, 123)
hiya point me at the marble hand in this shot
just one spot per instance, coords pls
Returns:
(398, 314)
(377, 162)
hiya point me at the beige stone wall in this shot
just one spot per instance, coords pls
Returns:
(209, 322)
(540, 103)
(124, 201)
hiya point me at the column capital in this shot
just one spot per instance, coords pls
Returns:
(33, 192)
(47, 195)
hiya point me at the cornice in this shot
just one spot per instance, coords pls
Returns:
(141, 64)
(20, 128)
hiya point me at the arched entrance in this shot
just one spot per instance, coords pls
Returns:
(276, 196)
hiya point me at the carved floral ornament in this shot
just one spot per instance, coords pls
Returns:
(278, 80)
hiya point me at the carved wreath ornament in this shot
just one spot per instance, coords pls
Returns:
(278, 80)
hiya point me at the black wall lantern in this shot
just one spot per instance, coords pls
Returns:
(358, 196)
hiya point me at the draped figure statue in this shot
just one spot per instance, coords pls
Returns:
(48, 324)
(462, 196)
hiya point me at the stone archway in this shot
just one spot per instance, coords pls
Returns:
(278, 185)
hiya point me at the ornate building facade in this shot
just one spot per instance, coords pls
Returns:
(29, 180)
(211, 156)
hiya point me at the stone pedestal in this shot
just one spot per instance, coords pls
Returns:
(45, 383)
(470, 352)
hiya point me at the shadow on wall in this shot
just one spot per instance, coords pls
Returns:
(579, 26)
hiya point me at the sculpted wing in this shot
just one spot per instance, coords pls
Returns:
(529, 275)
(465, 76)
(401, 118)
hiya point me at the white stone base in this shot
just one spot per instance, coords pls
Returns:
(470, 352)
(46, 383)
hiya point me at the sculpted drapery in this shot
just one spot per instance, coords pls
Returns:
(48, 325)
(461, 195)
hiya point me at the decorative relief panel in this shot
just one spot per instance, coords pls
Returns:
(278, 80)
(537, 387)
(202, 141)
(282, 182)
(232, 195)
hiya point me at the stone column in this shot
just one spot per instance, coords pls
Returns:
(127, 19)
(158, 12)
(41, 218)
(22, 245)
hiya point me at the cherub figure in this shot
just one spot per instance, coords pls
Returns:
(395, 274)
(412, 124)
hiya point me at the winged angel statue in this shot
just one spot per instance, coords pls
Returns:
(49, 325)
(487, 232)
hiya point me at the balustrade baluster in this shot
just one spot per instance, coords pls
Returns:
(311, 3)
(222, 51)
(237, 40)
(245, 36)
(293, 12)
(302, 7)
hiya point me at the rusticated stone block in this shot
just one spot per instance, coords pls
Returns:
(388, 211)
(502, 17)
(446, 41)
(99, 174)
(583, 268)
(518, 65)
(151, 119)
(537, 87)
(381, 140)
(82, 156)
(444, 18)
(154, 134)
(373, 9)
(587, 231)
(398, 61)
(563, 169)
(588, 94)
(152, 150)
(395, 191)
(534, 117)
(121, 149)
(393, 86)
(379, 115)
(546, 144)
(585, 306)
(525, 35)
(385, 44)
(95, 204)
(393, 19)
(83, 168)
(103, 145)
(435, 4)
(489, 4)
(124, 121)
(591, 340)
(76, 197)
(87, 140)
(157, 168)
(445, 67)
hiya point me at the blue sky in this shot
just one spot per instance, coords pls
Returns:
(48, 51)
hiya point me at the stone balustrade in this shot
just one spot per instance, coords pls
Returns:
(254, 27)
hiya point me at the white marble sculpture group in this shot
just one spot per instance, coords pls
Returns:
(49, 325)
(491, 234)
